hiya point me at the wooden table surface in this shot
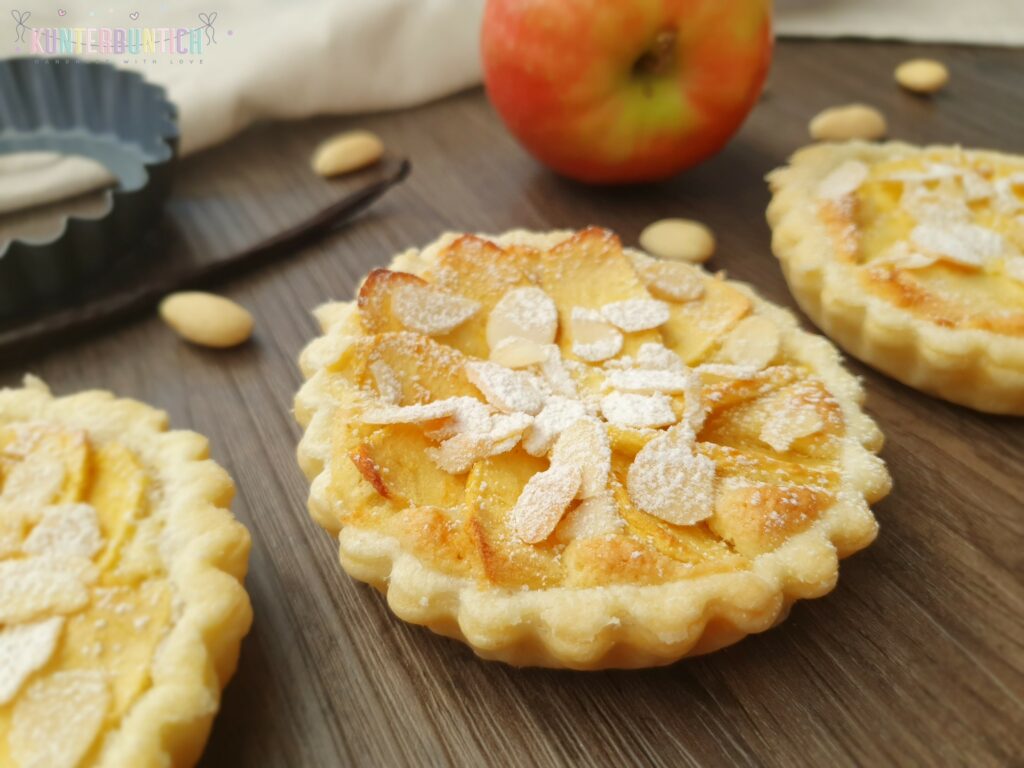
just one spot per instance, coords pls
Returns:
(916, 658)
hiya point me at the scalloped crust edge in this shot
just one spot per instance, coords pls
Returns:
(975, 368)
(207, 553)
(622, 626)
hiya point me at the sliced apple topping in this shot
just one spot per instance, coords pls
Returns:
(844, 180)
(558, 414)
(389, 386)
(58, 718)
(639, 411)
(505, 389)
(66, 529)
(427, 310)
(671, 482)
(787, 424)
(517, 352)
(24, 648)
(585, 445)
(593, 338)
(524, 313)
(633, 315)
(543, 502)
(753, 342)
(1014, 268)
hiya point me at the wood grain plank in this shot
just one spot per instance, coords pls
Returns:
(917, 658)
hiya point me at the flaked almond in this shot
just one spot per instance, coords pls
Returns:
(922, 75)
(24, 648)
(592, 517)
(524, 313)
(558, 414)
(754, 342)
(458, 453)
(517, 352)
(593, 338)
(207, 319)
(638, 411)
(671, 280)
(66, 529)
(58, 718)
(786, 425)
(585, 445)
(1014, 268)
(427, 310)
(658, 357)
(347, 152)
(389, 387)
(668, 480)
(968, 245)
(416, 414)
(543, 502)
(845, 179)
(507, 390)
(851, 121)
(634, 315)
(36, 586)
(646, 381)
(681, 239)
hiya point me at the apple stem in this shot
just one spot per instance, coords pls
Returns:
(659, 58)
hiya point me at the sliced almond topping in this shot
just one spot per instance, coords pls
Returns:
(525, 313)
(558, 414)
(976, 186)
(671, 280)
(585, 445)
(727, 371)
(593, 338)
(427, 310)
(966, 244)
(41, 585)
(517, 352)
(901, 256)
(459, 452)
(543, 502)
(626, 410)
(1014, 268)
(668, 480)
(58, 718)
(555, 374)
(658, 357)
(753, 342)
(389, 387)
(844, 180)
(788, 424)
(647, 381)
(505, 389)
(66, 529)
(24, 648)
(593, 517)
(634, 315)
(415, 414)
(34, 482)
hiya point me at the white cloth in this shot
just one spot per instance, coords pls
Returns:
(281, 59)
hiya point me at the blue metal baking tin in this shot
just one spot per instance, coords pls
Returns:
(112, 116)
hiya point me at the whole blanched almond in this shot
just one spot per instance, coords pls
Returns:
(207, 319)
(347, 152)
(681, 239)
(852, 121)
(922, 75)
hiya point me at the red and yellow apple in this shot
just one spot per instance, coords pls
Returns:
(615, 91)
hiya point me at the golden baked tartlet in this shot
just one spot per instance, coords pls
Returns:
(571, 455)
(121, 603)
(911, 259)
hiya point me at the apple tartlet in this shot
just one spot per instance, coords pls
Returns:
(121, 603)
(911, 259)
(569, 454)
